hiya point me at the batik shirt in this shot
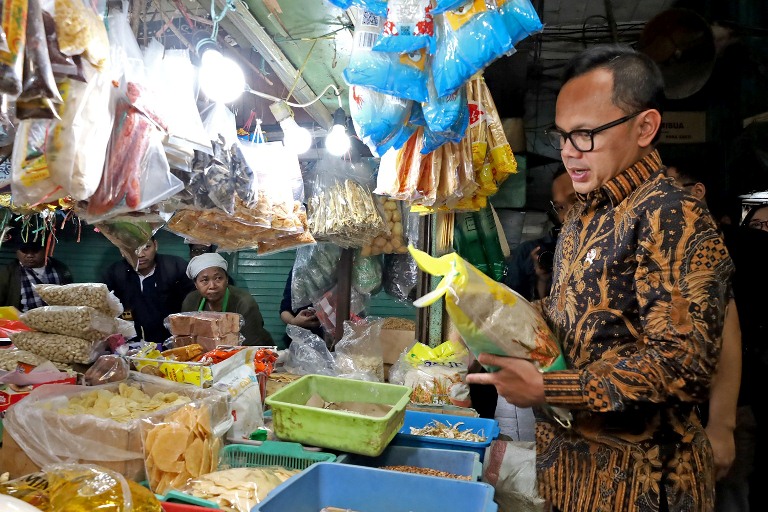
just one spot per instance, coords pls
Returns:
(638, 299)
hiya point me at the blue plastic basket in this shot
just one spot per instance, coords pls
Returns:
(482, 426)
(375, 490)
(450, 461)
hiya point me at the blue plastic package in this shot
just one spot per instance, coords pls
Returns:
(442, 114)
(378, 7)
(447, 5)
(415, 120)
(377, 117)
(433, 139)
(520, 17)
(468, 40)
(402, 75)
(409, 27)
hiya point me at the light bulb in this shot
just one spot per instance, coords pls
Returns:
(297, 139)
(337, 142)
(220, 77)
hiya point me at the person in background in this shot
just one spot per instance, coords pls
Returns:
(303, 317)
(151, 292)
(30, 268)
(640, 286)
(196, 249)
(727, 416)
(751, 290)
(529, 272)
(214, 293)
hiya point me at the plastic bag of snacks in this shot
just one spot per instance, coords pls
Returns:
(468, 39)
(520, 18)
(490, 317)
(313, 273)
(58, 347)
(238, 489)
(409, 27)
(391, 242)
(12, 59)
(81, 487)
(106, 369)
(79, 321)
(402, 75)
(100, 424)
(39, 95)
(358, 355)
(180, 446)
(379, 7)
(377, 117)
(436, 375)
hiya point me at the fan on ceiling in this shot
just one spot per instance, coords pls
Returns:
(682, 44)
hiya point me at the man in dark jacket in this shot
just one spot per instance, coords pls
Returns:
(30, 268)
(151, 292)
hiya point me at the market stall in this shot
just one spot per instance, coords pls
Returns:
(126, 135)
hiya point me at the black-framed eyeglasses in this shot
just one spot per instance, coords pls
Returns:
(582, 140)
(759, 224)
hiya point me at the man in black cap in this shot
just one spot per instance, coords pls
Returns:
(30, 268)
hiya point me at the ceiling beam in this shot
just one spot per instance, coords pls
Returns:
(257, 37)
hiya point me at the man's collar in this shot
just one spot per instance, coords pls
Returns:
(620, 186)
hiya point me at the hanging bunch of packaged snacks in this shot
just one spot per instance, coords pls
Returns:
(520, 18)
(377, 117)
(402, 75)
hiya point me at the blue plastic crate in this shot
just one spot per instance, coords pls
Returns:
(327, 484)
(450, 461)
(485, 427)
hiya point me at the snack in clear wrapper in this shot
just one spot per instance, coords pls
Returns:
(14, 25)
(79, 321)
(106, 369)
(314, 273)
(409, 27)
(377, 117)
(58, 347)
(180, 447)
(95, 295)
(436, 375)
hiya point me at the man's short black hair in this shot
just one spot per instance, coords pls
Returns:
(637, 81)
(689, 170)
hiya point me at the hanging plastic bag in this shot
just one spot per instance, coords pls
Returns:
(446, 114)
(446, 5)
(12, 61)
(171, 77)
(436, 375)
(469, 39)
(366, 274)
(409, 27)
(520, 18)
(500, 154)
(489, 240)
(31, 177)
(376, 117)
(77, 145)
(358, 355)
(379, 7)
(219, 121)
(490, 317)
(128, 236)
(313, 274)
(392, 241)
(39, 84)
(401, 75)
(80, 30)
(62, 65)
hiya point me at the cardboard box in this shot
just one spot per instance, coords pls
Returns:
(9, 395)
(394, 342)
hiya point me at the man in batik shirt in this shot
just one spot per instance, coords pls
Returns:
(638, 299)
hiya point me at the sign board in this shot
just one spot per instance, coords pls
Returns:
(683, 127)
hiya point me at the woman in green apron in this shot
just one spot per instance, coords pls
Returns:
(214, 293)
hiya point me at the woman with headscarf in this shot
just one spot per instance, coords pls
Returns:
(214, 293)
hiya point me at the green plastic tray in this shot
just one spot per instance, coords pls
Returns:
(338, 430)
(271, 453)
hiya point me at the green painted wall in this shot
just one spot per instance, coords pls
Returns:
(264, 276)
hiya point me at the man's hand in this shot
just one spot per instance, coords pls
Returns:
(517, 380)
(723, 447)
(541, 272)
(306, 319)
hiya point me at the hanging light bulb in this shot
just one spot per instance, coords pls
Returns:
(337, 141)
(297, 139)
(221, 79)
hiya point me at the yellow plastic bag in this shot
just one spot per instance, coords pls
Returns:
(490, 317)
(436, 375)
(9, 313)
